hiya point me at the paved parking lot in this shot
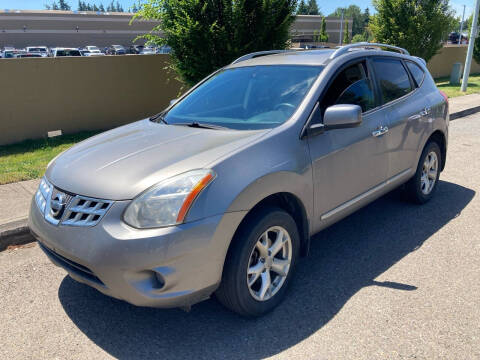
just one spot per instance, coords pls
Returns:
(393, 280)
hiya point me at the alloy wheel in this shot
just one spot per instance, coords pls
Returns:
(269, 263)
(429, 173)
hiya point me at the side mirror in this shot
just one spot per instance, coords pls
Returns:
(337, 117)
(342, 116)
(173, 101)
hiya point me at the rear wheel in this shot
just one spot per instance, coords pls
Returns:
(421, 187)
(260, 263)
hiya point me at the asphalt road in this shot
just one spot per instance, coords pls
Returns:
(394, 280)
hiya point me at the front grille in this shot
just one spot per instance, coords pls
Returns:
(71, 266)
(84, 211)
(61, 208)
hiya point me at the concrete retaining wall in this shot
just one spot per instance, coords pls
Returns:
(74, 94)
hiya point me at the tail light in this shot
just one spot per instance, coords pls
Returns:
(444, 96)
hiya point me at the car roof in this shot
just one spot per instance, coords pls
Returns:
(317, 56)
(300, 57)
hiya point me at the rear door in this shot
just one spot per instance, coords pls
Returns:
(407, 111)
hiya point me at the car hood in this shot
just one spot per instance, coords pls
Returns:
(121, 163)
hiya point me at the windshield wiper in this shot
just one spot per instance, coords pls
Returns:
(159, 117)
(198, 125)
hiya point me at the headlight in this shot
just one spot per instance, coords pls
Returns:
(168, 202)
(43, 193)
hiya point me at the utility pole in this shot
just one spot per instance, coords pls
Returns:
(341, 30)
(461, 26)
(471, 44)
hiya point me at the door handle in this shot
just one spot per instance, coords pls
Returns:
(380, 131)
(426, 111)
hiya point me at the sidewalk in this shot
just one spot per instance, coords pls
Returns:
(15, 201)
(464, 105)
(15, 198)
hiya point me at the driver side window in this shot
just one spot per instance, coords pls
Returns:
(351, 86)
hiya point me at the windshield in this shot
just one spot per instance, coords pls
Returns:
(68, 53)
(246, 98)
(36, 50)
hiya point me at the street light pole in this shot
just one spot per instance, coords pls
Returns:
(341, 30)
(471, 44)
(461, 26)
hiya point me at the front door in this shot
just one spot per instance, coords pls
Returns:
(348, 163)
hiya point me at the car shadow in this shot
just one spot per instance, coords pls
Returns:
(344, 258)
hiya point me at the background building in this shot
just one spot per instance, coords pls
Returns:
(305, 25)
(75, 29)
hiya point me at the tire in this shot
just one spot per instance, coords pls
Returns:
(247, 252)
(417, 190)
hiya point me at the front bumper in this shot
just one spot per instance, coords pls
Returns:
(167, 267)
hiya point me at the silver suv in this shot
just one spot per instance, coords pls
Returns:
(222, 191)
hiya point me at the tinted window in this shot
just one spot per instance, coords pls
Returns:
(359, 93)
(416, 72)
(392, 78)
(252, 97)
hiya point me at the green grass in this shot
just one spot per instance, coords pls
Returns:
(28, 159)
(454, 90)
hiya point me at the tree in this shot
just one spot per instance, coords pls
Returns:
(207, 35)
(52, 6)
(353, 12)
(302, 8)
(476, 47)
(63, 5)
(312, 8)
(118, 7)
(346, 34)
(101, 8)
(322, 35)
(111, 7)
(366, 18)
(416, 25)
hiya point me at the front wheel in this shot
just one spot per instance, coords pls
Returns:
(260, 263)
(421, 187)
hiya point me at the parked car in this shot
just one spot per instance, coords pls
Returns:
(116, 50)
(93, 51)
(165, 49)
(454, 36)
(135, 49)
(60, 52)
(9, 53)
(148, 50)
(223, 190)
(42, 50)
(28, 55)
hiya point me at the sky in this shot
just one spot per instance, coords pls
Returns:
(326, 6)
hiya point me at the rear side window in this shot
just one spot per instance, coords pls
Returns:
(392, 79)
(416, 72)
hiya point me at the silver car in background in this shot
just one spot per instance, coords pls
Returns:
(43, 51)
(222, 191)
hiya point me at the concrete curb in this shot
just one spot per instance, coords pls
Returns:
(15, 233)
(18, 233)
(466, 112)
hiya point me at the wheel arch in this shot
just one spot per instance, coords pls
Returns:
(439, 137)
(292, 205)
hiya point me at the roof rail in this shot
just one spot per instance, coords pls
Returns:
(258, 54)
(344, 49)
